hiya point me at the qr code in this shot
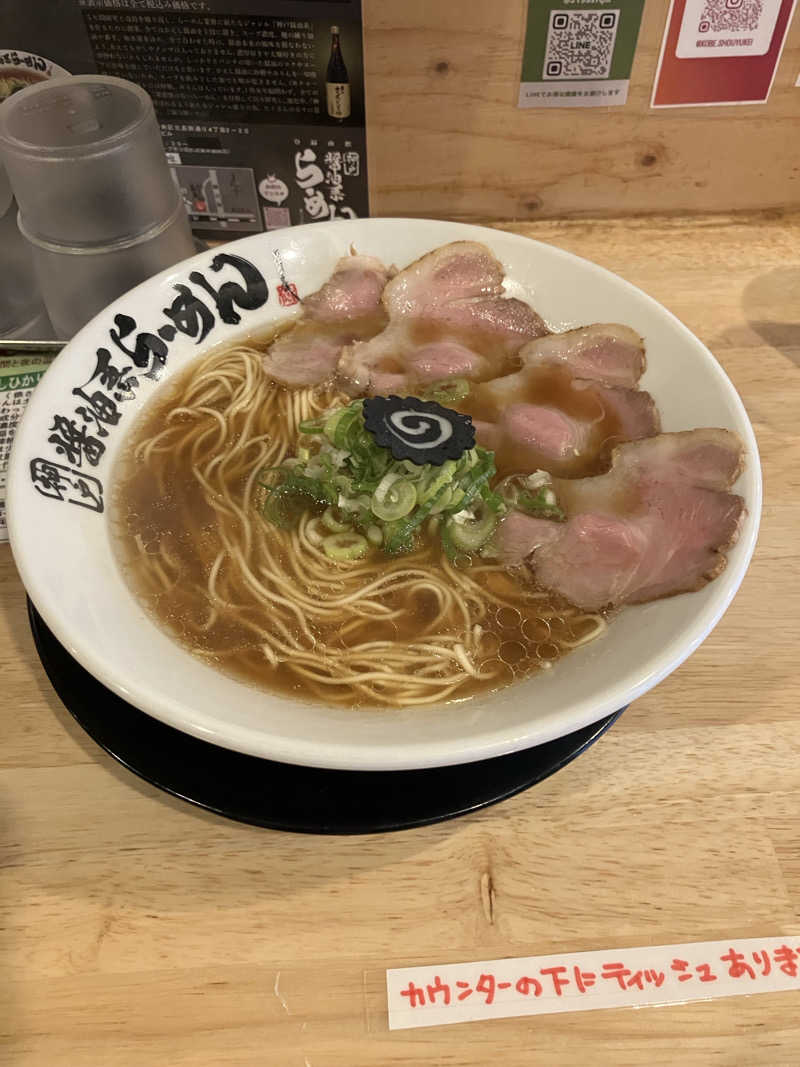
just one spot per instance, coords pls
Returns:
(580, 44)
(730, 16)
(277, 218)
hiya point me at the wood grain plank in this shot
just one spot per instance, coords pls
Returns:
(137, 930)
(447, 140)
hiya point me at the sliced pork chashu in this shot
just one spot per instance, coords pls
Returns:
(347, 307)
(604, 352)
(658, 523)
(571, 400)
(448, 316)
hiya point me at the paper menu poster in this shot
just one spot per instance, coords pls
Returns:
(720, 51)
(579, 53)
(19, 375)
(260, 102)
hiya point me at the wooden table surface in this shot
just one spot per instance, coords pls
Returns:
(136, 930)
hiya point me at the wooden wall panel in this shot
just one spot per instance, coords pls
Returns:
(446, 138)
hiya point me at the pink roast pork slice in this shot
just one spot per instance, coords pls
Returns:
(347, 304)
(453, 296)
(658, 523)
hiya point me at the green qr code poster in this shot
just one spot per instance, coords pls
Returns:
(579, 53)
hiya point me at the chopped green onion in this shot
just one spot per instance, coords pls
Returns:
(332, 421)
(493, 500)
(532, 494)
(284, 506)
(339, 424)
(345, 546)
(442, 500)
(471, 533)
(330, 522)
(414, 470)
(439, 476)
(399, 536)
(319, 489)
(353, 503)
(365, 497)
(451, 550)
(542, 504)
(394, 498)
(311, 426)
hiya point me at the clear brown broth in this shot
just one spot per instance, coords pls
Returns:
(551, 386)
(169, 511)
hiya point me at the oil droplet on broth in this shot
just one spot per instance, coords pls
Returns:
(536, 630)
(501, 673)
(509, 618)
(489, 644)
(513, 653)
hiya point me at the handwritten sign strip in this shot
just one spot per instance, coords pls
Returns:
(586, 981)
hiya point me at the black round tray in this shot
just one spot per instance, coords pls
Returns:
(283, 796)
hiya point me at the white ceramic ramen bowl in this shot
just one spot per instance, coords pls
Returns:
(62, 543)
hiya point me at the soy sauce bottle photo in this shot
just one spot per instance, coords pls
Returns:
(337, 83)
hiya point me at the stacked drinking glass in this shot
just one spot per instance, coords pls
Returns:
(98, 207)
(22, 315)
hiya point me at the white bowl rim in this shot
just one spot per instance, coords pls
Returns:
(415, 754)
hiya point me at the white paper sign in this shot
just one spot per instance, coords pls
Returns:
(586, 981)
(19, 374)
(727, 28)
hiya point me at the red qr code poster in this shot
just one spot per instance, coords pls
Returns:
(720, 51)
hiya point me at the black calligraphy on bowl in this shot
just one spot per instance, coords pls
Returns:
(79, 437)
